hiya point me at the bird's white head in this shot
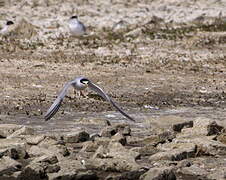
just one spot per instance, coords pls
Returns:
(84, 81)
(81, 83)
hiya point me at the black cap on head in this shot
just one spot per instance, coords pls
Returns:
(74, 17)
(84, 80)
(9, 23)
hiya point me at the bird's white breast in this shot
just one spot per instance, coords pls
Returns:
(79, 86)
(76, 28)
(4, 30)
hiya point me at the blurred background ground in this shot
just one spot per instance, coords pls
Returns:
(147, 55)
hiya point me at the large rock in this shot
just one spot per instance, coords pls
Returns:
(50, 159)
(162, 123)
(48, 141)
(205, 144)
(49, 162)
(92, 146)
(162, 173)
(147, 140)
(15, 148)
(146, 150)
(114, 157)
(72, 169)
(203, 134)
(8, 166)
(119, 138)
(25, 130)
(8, 129)
(193, 171)
(201, 127)
(174, 152)
(109, 131)
(220, 173)
(34, 171)
(52, 145)
(36, 151)
(222, 138)
(34, 139)
(95, 121)
(131, 175)
(59, 150)
(203, 167)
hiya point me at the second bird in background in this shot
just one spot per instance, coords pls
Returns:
(7, 28)
(77, 28)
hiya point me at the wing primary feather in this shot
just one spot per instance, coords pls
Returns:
(56, 104)
(53, 111)
(99, 91)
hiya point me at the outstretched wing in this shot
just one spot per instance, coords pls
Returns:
(99, 91)
(83, 26)
(56, 104)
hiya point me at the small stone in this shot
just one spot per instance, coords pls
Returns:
(193, 170)
(76, 137)
(162, 173)
(119, 138)
(34, 140)
(93, 136)
(36, 151)
(102, 141)
(15, 148)
(8, 129)
(222, 138)
(8, 165)
(174, 152)
(108, 131)
(69, 169)
(166, 136)
(34, 171)
(178, 126)
(89, 146)
(22, 131)
(52, 168)
(50, 159)
(202, 126)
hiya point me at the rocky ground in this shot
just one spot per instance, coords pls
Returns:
(162, 61)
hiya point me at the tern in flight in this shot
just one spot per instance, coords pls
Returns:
(80, 83)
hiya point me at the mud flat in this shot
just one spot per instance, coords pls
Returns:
(162, 61)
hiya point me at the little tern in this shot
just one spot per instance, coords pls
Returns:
(6, 29)
(77, 28)
(80, 83)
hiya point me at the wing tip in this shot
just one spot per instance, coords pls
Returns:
(47, 116)
(131, 119)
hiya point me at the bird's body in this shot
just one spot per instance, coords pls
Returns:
(80, 83)
(76, 27)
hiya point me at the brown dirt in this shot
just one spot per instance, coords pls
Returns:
(146, 63)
